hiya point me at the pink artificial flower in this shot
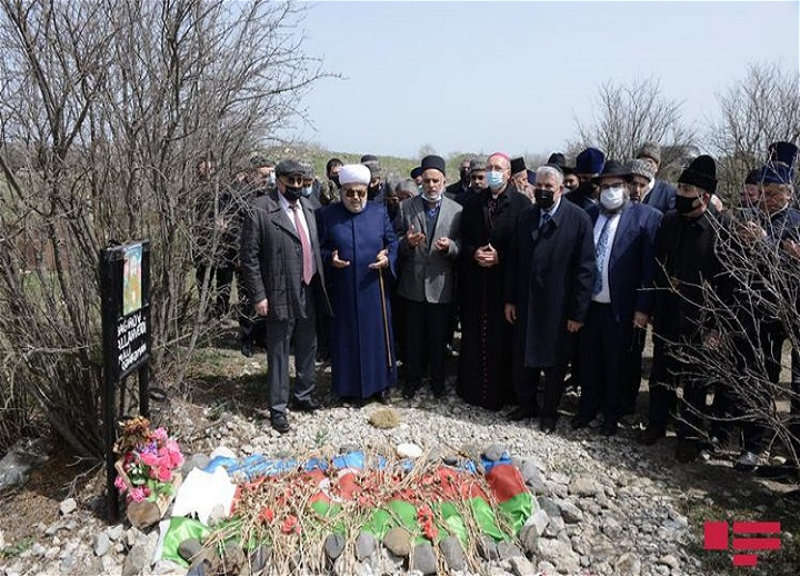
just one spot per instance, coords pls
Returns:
(160, 434)
(150, 459)
(120, 484)
(136, 494)
(164, 474)
(172, 454)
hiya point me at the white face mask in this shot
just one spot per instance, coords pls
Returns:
(612, 198)
(432, 196)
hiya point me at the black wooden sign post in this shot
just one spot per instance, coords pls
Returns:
(125, 294)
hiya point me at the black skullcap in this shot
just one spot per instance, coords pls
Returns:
(432, 161)
(701, 172)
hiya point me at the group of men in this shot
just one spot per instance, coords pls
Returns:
(550, 272)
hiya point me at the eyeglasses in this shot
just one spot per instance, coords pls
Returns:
(354, 193)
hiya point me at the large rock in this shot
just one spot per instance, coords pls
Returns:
(487, 548)
(494, 452)
(259, 558)
(365, 545)
(398, 542)
(136, 560)
(549, 506)
(628, 565)
(143, 514)
(101, 544)
(569, 512)
(334, 546)
(188, 549)
(423, 558)
(522, 566)
(583, 486)
(508, 550)
(560, 554)
(453, 553)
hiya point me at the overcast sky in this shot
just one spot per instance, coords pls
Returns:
(513, 76)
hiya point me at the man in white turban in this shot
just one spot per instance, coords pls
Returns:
(359, 249)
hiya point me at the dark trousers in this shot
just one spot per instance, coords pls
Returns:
(602, 352)
(283, 337)
(662, 387)
(665, 377)
(526, 380)
(426, 340)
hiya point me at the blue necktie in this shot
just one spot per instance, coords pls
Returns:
(544, 219)
(600, 255)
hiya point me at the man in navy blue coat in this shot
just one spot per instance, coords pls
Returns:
(359, 249)
(548, 285)
(624, 239)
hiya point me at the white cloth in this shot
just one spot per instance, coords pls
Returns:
(201, 492)
(604, 296)
(354, 174)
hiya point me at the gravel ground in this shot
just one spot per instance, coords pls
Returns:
(607, 506)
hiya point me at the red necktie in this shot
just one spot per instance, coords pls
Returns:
(305, 245)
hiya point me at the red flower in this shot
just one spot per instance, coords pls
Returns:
(290, 525)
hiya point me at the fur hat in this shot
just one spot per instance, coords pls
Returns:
(650, 150)
(701, 172)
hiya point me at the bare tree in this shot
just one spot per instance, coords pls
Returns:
(626, 115)
(105, 108)
(760, 108)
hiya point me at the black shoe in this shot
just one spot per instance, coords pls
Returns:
(547, 425)
(687, 450)
(651, 435)
(247, 349)
(307, 405)
(385, 397)
(438, 389)
(608, 429)
(522, 413)
(280, 423)
(580, 422)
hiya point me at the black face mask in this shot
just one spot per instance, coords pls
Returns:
(544, 198)
(465, 176)
(292, 193)
(684, 205)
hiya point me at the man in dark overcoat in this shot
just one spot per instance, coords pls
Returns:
(281, 264)
(547, 290)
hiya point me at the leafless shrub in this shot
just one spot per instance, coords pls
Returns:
(105, 108)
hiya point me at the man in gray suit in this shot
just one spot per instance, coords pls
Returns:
(282, 268)
(428, 228)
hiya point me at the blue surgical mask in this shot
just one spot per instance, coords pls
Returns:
(271, 179)
(306, 192)
(495, 179)
(419, 188)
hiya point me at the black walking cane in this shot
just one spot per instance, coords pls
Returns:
(385, 315)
